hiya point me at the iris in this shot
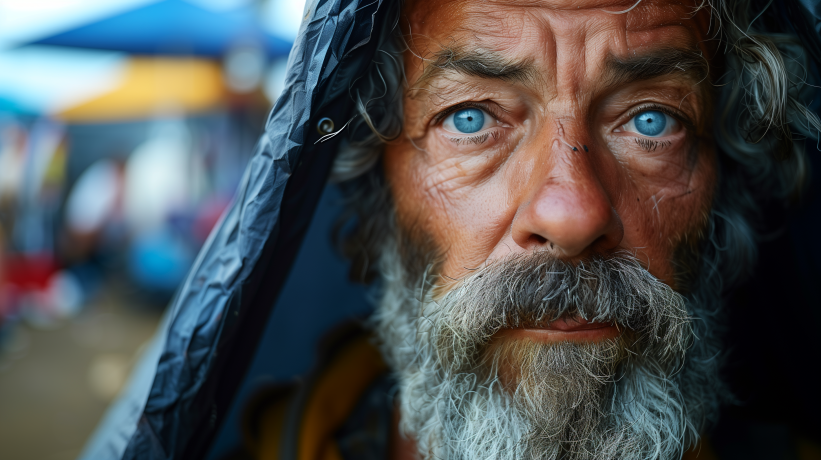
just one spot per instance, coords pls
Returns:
(650, 123)
(468, 120)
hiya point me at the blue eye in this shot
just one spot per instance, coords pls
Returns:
(650, 123)
(468, 120)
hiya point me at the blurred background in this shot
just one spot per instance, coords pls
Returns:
(125, 127)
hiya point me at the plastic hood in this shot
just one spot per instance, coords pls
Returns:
(185, 384)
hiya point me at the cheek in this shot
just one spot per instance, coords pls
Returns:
(453, 201)
(662, 168)
(422, 192)
(400, 179)
(664, 212)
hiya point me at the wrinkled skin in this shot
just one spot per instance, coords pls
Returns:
(517, 185)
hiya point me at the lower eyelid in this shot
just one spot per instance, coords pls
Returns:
(476, 139)
(651, 145)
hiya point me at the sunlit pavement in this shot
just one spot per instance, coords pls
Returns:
(56, 380)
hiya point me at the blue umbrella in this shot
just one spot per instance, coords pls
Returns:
(174, 27)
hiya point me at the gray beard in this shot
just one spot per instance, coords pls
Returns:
(645, 395)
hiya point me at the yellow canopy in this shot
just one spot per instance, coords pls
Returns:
(155, 86)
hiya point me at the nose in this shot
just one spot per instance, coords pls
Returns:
(568, 211)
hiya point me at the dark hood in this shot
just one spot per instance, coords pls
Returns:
(215, 322)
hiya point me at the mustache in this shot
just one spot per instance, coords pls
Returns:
(531, 290)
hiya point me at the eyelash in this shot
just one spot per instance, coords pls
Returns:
(476, 140)
(651, 144)
(480, 139)
(661, 108)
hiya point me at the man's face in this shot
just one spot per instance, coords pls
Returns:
(555, 156)
(530, 126)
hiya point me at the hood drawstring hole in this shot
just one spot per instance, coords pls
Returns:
(325, 126)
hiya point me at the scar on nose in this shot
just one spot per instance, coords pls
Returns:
(568, 145)
(560, 134)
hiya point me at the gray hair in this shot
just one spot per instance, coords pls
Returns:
(634, 397)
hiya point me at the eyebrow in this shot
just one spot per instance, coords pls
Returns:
(477, 63)
(490, 65)
(658, 63)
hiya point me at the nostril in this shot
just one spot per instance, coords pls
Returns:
(538, 241)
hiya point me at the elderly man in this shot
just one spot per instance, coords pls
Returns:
(547, 200)
(554, 195)
(553, 201)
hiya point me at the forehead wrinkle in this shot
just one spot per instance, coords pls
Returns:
(571, 5)
(476, 63)
(489, 60)
(666, 18)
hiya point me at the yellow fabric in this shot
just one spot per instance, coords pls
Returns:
(271, 424)
(808, 450)
(334, 397)
(330, 452)
(155, 86)
(335, 394)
